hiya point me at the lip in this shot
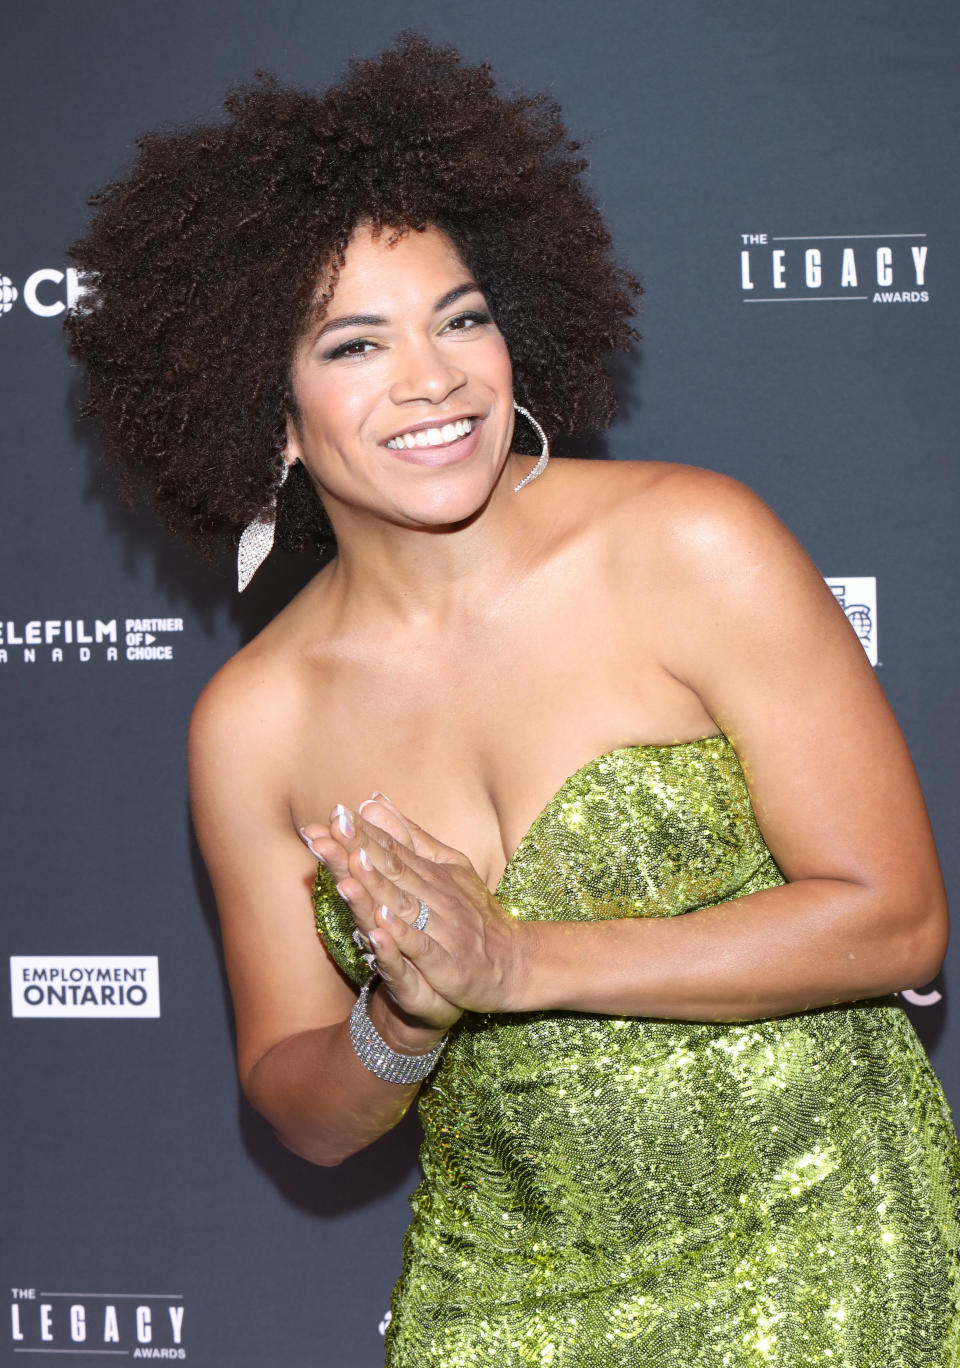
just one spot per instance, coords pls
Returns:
(450, 454)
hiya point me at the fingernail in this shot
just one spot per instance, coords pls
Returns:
(309, 844)
(366, 803)
(383, 797)
(344, 822)
(374, 940)
(365, 860)
(386, 915)
(344, 895)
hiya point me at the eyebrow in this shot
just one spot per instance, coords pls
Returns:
(378, 321)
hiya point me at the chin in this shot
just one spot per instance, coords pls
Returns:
(450, 506)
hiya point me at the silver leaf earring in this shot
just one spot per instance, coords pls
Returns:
(541, 465)
(256, 540)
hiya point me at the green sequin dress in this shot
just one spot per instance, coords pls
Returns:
(617, 1192)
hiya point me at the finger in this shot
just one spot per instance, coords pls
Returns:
(366, 890)
(404, 983)
(362, 906)
(417, 946)
(388, 961)
(349, 830)
(324, 848)
(379, 815)
(395, 860)
(425, 845)
(383, 887)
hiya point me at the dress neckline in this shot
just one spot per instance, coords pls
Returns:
(643, 747)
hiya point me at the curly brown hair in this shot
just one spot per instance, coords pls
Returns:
(203, 264)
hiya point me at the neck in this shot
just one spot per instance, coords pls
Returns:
(390, 573)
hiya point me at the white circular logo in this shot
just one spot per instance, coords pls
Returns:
(8, 293)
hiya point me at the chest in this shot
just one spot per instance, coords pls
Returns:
(473, 748)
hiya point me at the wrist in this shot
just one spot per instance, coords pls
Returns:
(540, 966)
(404, 1033)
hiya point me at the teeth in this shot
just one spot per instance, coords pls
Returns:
(425, 437)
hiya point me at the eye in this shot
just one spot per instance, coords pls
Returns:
(359, 346)
(464, 322)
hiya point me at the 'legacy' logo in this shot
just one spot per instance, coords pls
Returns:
(130, 1324)
(878, 268)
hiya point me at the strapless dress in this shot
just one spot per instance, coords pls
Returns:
(621, 1192)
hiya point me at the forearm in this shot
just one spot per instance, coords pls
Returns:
(812, 943)
(322, 1102)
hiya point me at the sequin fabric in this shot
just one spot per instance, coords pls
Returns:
(618, 1192)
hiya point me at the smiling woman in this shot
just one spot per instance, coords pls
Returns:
(631, 926)
(237, 232)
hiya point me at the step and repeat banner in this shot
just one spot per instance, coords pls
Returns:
(783, 177)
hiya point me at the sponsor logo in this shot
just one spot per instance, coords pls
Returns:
(97, 1324)
(47, 293)
(53, 640)
(857, 596)
(84, 986)
(878, 268)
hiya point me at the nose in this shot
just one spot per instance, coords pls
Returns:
(424, 373)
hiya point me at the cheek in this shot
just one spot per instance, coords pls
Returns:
(489, 369)
(332, 410)
(501, 364)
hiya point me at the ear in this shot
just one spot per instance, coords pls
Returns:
(293, 451)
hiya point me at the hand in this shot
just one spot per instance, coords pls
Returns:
(417, 1004)
(473, 953)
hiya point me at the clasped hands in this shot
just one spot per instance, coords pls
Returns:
(472, 955)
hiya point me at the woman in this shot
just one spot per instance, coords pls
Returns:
(601, 696)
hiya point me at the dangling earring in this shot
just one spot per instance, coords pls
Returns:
(541, 465)
(256, 540)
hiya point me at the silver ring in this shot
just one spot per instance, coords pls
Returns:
(423, 916)
(360, 940)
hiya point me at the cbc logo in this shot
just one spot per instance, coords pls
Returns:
(46, 292)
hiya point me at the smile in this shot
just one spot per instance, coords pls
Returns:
(432, 436)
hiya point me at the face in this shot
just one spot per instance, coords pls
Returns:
(404, 388)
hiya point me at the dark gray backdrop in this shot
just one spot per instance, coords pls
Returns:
(136, 1177)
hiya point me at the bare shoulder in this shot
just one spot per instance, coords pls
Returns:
(699, 524)
(256, 692)
(245, 711)
(233, 699)
(685, 501)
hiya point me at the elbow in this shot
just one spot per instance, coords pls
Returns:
(927, 959)
(924, 944)
(291, 1128)
(310, 1150)
(305, 1142)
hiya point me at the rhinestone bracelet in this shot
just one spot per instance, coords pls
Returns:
(376, 1055)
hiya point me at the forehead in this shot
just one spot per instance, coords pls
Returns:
(397, 264)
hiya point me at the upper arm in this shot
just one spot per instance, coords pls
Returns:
(767, 648)
(281, 979)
